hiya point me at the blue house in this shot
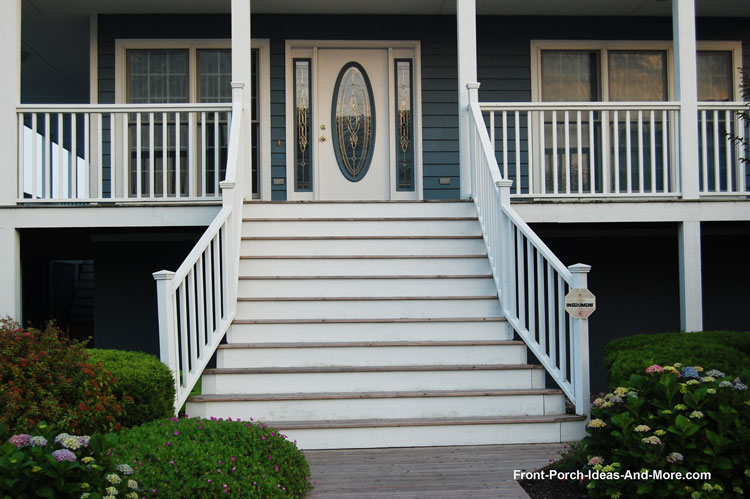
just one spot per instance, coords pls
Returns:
(362, 222)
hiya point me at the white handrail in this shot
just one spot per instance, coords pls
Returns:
(124, 153)
(531, 281)
(722, 148)
(198, 302)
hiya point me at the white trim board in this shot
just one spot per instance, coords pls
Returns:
(397, 49)
(192, 45)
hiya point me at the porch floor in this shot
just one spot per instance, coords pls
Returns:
(426, 472)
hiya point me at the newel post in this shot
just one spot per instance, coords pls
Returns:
(230, 244)
(507, 249)
(167, 325)
(581, 382)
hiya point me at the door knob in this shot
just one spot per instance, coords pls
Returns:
(322, 138)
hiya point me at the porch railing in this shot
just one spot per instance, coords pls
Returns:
(586, 148)
(121, 153)
(197, 303)
(531, 281)
(722, 154)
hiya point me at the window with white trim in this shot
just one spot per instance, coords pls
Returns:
(194, 73)
(617, 72)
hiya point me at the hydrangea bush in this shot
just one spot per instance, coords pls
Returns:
(192, 457)
(678, 419)
(44, 376)
(50, 464)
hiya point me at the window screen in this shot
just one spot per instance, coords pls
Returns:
(637, 75)
(570, 75)
(715, 75)
(157, 76)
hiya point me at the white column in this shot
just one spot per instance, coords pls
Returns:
(10, 269)
(686, 93)
(691, 293)
(467, 73)
(241, 73)
(10, 97)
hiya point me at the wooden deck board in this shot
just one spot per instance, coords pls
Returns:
(426, 472)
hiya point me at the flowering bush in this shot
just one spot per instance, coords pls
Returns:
(43, 376)
(50, 464)
(181, 457)
(672, 419)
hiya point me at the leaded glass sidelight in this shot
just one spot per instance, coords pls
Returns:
(302, 115)
(404, 125)
(353, 116)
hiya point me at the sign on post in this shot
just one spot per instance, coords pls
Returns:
(580, 303)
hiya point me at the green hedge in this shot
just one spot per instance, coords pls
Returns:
(728, 351)
(178, 458)
(144, 378)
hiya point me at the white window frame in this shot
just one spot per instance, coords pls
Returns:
(537, 46)
(192, 46)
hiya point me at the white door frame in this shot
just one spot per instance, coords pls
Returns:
(396, 50)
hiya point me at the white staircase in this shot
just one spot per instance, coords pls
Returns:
(376, 325)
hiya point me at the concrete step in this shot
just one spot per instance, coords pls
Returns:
(362, 245)
(357, 265)
(373, 378)
(391, 353)
(377, 308)
(380, 405)
(360, 209)
(449, 226)
(372, 286)
(375, 433)
(362, 329)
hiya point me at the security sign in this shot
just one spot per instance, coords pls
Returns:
(580, 303)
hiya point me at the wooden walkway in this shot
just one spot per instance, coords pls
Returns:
(426, 472)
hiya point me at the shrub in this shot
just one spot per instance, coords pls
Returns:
(144, 378)
(210, 458)
(726, 351)
(48, 464)
(43, 376)
(671, 419)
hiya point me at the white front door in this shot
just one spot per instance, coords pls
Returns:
(353, 132)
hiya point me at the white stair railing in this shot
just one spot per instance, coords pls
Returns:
(197, 303)
(531, 281)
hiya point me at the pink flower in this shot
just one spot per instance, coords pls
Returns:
(176, 433)
(277, 467)
(234, 458)
(171, 462)
(655, 368)
(262, 437)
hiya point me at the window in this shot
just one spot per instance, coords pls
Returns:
(715, 79)
(194, 72)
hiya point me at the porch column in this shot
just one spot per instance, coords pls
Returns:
(10, 269)
(10, 97)
(691, 292)
(241, 73)
(686, 93)
(467, 73)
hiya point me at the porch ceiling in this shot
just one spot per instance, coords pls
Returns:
(717, 8)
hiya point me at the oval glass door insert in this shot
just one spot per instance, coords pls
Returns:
(353, 115)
